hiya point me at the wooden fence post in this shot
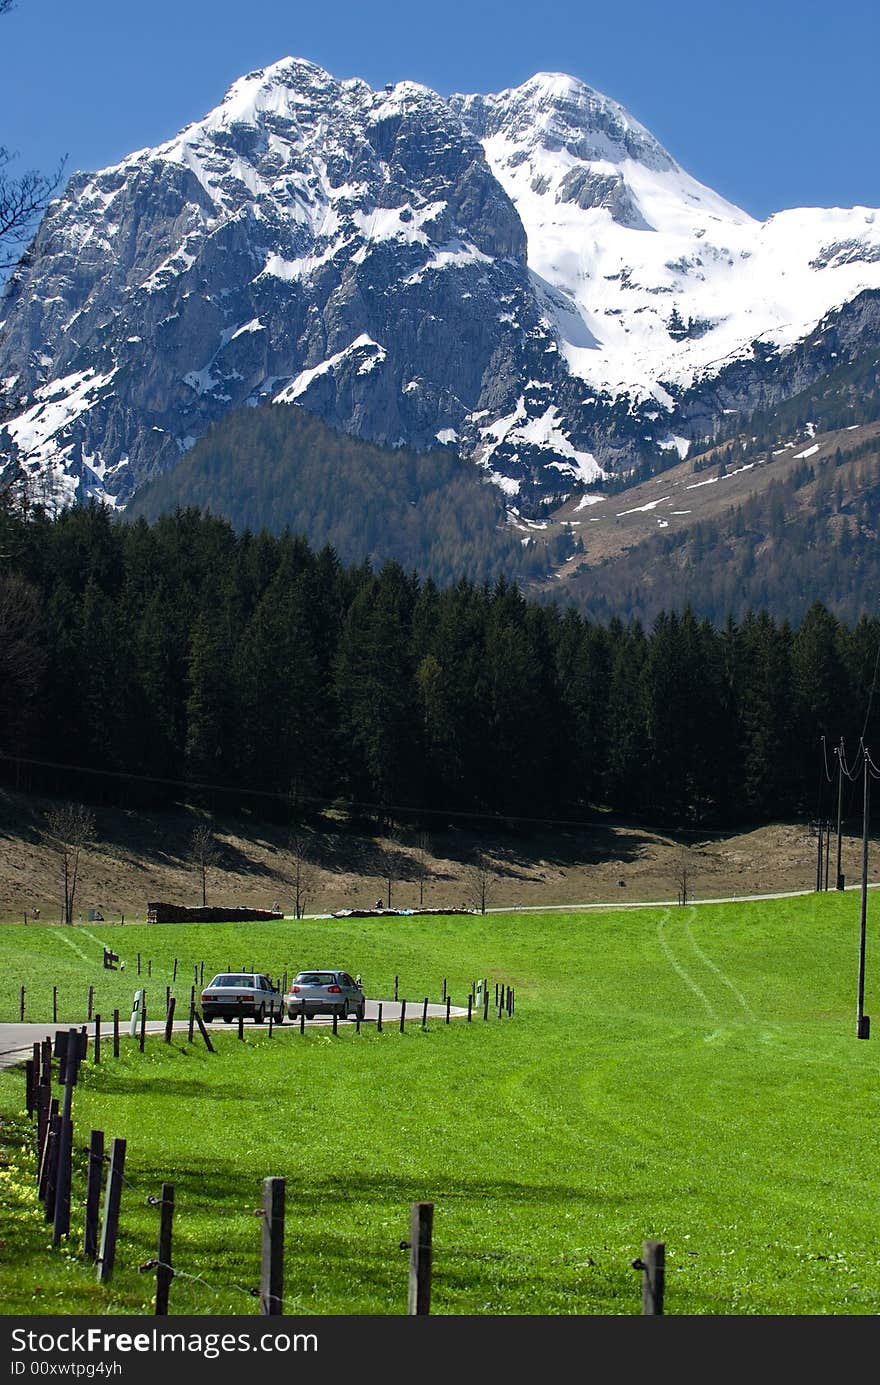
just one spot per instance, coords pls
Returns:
(240, 1018)
(201, 973)
(470, 1003)
(379, 1019)
(204, 1033)
(425, 1013)
(443, 991)
(653, 1267)
(174, 978)
(61, 1209)
(115, 1033)
(50, 1184)
(169, 1020)
(21, 1006)
(93, 1193)
(485, 1002)
(395, 988)
(91, 1002)
(272, 1264)
(164, 1269)
(143, 1022)
(192, 1014)
(139, 964)
(61, 1204)
(149, 966)
(421, 1223)
(43, 1175)
(29, 1085)
(335, 1018)
(44, 1102)
(448, 1008)
(402, 1014)
(96, 1054)
(112, 1199)
(61, 1042)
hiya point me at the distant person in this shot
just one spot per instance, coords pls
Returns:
(378, 904)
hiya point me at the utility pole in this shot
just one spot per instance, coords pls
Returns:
(863, 1021)
(839, 753)
(827, 849)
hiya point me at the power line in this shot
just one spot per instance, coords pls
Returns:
(277, 796)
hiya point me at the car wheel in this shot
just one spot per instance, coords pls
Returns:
(260, 1015)
(280, 1016)
(207, 1018)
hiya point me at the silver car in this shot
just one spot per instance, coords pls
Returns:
(256, 993)
(325, 993)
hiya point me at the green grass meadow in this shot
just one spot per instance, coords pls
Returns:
(689, 1075)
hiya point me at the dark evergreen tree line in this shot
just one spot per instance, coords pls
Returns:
(165, 656)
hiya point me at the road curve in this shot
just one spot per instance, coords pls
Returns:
(17, 1040)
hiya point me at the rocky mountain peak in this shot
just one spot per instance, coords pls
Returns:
(528, 277)
(562, 115)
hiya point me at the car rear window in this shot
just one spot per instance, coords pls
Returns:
(316, 978)
(231, 980)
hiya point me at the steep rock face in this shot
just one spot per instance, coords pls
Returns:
(529, 277)
(310, 240)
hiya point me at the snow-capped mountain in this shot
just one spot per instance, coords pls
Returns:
(529, 277)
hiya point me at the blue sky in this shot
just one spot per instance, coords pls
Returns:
(770, 102)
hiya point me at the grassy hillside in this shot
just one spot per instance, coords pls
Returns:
(689, 1075)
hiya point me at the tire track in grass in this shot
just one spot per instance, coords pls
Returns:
(87, 934)
(78, 950)
(707, 961)
(680, 970)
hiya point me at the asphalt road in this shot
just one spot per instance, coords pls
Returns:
(17, 1040)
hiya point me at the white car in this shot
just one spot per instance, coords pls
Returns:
(325, 993)
(252, 992)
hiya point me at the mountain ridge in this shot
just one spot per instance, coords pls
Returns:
(527, 277)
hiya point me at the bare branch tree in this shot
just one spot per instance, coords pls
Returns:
(69, 828)
(422, 864)
(204, 853)
(479, 882)
(304, 872)
(395, 863)
(684, 871)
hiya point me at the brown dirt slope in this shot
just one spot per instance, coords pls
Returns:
(139, 857)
